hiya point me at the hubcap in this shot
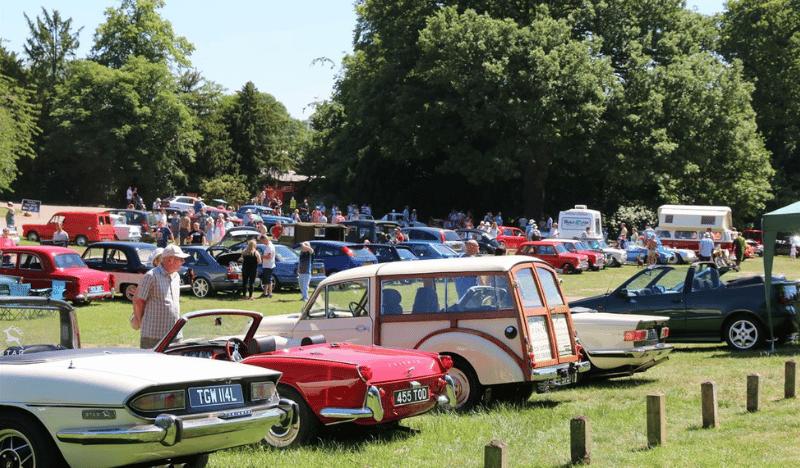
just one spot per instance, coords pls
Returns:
(15, 450)
(743, 334)
(200, 288)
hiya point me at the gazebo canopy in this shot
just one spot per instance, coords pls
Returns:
(786, 219)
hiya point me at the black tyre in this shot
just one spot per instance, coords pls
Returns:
(303, 432)
(276, 285)
(129, 291)
(24, 444)
(467, 386)
(194, 461)
(201, 287)
(744, 333)
(513, 393)
(568, 269)
(33, 236)
(81, 241)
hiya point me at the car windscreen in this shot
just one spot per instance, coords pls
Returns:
(361, 251)
(560, 248)
(217, 328)
(450, 236)
(444, 250)
(68, 260)
(570, 247)
(285, 254)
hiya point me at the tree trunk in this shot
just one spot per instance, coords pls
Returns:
(535, 175)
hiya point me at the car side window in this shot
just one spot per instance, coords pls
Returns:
(30, 262)
(550, 286)
(528, 290)
(341, 300)
(95, 254)
(117, 257)
(547, 250)
(9, 260)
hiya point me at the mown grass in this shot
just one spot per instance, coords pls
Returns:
(537, 432)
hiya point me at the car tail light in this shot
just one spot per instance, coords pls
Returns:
(111, 281)
(441, 234)
(365, 372)
(635, 335)
(233, 274)
(161, 401)
(533, 360)
(664, 332)
(347, 251)
(447, 362)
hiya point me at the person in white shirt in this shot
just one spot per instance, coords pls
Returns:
(267, 265)
(706, 247)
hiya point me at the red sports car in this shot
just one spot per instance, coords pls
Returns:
(331, 383)
(39, 266)
(510, 237)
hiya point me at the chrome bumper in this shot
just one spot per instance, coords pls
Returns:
(633, 353)
(563, 370)
(169, 429)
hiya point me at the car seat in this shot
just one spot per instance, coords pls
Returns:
(390, 299)
(426, 301)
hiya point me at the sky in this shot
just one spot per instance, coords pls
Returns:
(269, 42)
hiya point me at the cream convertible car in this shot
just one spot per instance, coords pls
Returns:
(89, 408)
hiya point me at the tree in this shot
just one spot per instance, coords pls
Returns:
(50, 48)
(17, 129)
(136, 29)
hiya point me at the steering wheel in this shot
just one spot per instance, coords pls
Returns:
(659, 289)
(356, 308)
(483, 296)
(235, 349)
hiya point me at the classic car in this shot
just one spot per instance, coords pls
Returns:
(510, 238)
(597, 259)
(108, 407)
(432, 234)
(40, 265)
(703, 308)
(638, 254)
(614, 257)
(429, 250)
(338, 256)
(181, 202)
(511, 340)
(556, 255)
(376, 232)
(124, 231)
(144, 219)
(620, 344)
(486, 242)
(331, 382)
(82, 227)
(127, 261)
(208, 276)
(285, 274)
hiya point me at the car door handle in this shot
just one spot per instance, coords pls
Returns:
(362, 328)
(677, 301)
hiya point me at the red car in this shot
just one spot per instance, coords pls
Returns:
(510, 237)
(39, 266)
(597, 260)
(331, 383)
(556, 255)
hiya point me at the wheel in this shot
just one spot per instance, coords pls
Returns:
(303, 432)
(502, 245)
(235, 349)
(33, 236)
(514, 393)
(81, 241)
(743, 333)
(276, 285)
(201, 287)
(569, 268)
(24, 444)
(467, 387)
(615, 263)
(129, 291)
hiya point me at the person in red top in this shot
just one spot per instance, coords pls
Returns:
(6, 241)
(277, 230)
(398, 235)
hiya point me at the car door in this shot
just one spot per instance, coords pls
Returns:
(340, 312)
(704, 304)
(32, 269)
(657, 291)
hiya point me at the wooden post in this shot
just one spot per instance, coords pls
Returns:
(789, 385)
(580, 440)
(495, 455)
(753, 388)
(656, 419)
(708, 392)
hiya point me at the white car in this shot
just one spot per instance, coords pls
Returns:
(621, 344)
(181, 202)
(125, 232)
(614, 257)
(93, 408)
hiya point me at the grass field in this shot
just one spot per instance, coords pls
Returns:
(537, 432)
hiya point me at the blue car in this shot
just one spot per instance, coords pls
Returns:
(264, 212)
(430, 234)
(338, 256)
(285, 273)
(208, 276)
(428, 250)
(634, 252)
(391, 253)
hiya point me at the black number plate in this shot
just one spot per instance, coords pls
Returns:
(411, 395)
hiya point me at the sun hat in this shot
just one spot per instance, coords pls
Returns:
(173, 250)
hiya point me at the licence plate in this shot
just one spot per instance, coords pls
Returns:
(410, 395)
(96, 289)
(215, 397)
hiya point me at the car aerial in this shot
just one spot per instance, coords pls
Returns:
(208, 276)
(638, 254)
(124, 231)
(102, 407)
(619, 345)
(429, 250)
(486, 242)
(431, 234)
(146, 220)
(509, 238)
(332, 383)
(702, 308)
(39, 266)
(597, 259)
(338, 256)
(391, 252)
(82, 226)
(127, 261)
(614, 257)
(556, 255)
(510, 339)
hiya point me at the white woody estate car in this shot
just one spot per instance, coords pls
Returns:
(620, 345)
(63, 406)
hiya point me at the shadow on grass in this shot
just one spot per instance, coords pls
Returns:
(353, 437)
(619, 382)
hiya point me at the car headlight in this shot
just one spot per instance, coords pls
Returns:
(264, 391)
(161, 401)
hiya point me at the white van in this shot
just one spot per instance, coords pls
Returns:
(573, 223)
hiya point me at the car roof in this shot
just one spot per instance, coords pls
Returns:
(118, 244)
(51, 249)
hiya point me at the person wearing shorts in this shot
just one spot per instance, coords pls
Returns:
(267, 265)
